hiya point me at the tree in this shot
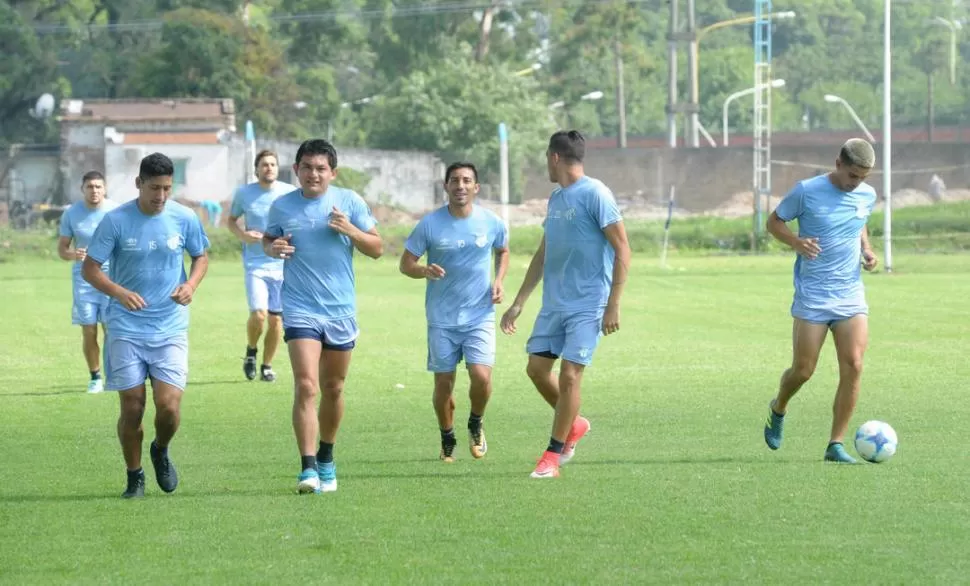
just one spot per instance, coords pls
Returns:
(454, 110)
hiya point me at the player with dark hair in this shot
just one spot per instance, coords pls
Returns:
(460, 240)
(316, 230)
(583, 260)
(78, 223)
(145, 241)
(263, 275)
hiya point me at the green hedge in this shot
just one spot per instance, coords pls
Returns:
(939, 228)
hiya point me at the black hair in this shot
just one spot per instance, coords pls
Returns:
(317, 146)
(460, 165)
(569, 145)
(156, 165)
(92, 176)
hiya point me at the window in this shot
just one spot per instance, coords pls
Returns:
(181, 165)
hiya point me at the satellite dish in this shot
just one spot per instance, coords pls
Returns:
(44, 106)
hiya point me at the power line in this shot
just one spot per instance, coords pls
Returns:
(307, 17)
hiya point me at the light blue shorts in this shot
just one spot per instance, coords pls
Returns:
(263, 290)
(572, 336)
(829, 313)
(448, 346)
(86, 312)
(128, 362)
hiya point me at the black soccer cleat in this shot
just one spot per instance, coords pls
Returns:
(249, 367)
(165, 474)
(136, 487)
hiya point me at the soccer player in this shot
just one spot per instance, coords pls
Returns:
(832, 244)
(459, 239)
(316, 230)
(77, 226)
(148, 315)
(583, 258)
(264, 275)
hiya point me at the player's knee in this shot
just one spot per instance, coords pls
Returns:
(444, 382)
(258, 315)
(537, 372)
(802, 370)
(132, 410)
(851, 365)
(305, 387)
(333, 387)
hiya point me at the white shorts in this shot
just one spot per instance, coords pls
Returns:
(128, 363)
(263, 290)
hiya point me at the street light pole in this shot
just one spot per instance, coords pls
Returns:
(775, 83)
(887, 138)
(837, 100)
(954, 26)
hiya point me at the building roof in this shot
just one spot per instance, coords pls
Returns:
(171, 138)
(106, 110)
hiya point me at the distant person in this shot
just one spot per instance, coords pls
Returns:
(937, 188)
(145, 241)
(213, 210)
(263, 275)
(316, 230)
(461, 240)
(78, 223)
(832, 243)
(583, 260)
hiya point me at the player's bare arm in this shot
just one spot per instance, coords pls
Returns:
(278, 247)
(501, 268)
(410, 266)
(184, 292)
(869, 258)
(807, 247)
(247, 236)
(92, 273)
(616, 235)
(369, 243)
(529, 283)
(65, 251)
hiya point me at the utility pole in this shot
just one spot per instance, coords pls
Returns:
(620, 96)
(675, 37)
(929, 106)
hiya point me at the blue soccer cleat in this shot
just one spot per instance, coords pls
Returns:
(308, 482)
(328, 476)
(836, 453)
(774, 427)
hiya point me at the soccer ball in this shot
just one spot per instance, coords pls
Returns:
(875, 441)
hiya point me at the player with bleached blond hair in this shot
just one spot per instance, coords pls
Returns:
(832, 244)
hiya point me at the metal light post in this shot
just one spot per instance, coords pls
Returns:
(837, 100)
(887, 137)
(695, 72)
(775, 83)
(954, 26)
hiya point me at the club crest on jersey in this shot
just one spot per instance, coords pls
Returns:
(173, 242)
(861, 210)
(481, 240)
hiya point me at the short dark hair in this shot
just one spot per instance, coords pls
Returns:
(156, 165)
(265, 153)
(460, 165)
(570, 145)
(92, 176)
(317, 146)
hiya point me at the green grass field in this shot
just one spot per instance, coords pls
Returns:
(673, 485)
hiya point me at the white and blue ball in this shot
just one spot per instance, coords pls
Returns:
(876, 441)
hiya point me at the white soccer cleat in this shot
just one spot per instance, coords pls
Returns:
(95, 386)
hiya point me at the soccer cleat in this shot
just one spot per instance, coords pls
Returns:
(136, 487)
(95, 385)
(308, 481)
(165, 473)
(580, 428)
(448, 451)
(477, 443)
(249, 367)
(774, 427)
(836, 453)
(328, 477)
(548, 466)
(267, 375)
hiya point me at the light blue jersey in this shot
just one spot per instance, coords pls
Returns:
(78, 222)
(147, 256)
(830, 286)
(318, 281)
(253, 202)
(578, 270)
(463, 248)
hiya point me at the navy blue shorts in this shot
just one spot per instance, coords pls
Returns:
(340, 335)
